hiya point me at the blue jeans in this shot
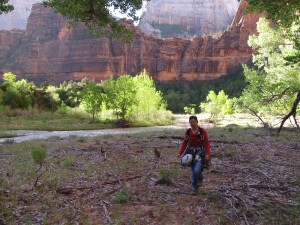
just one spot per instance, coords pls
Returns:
(196, 174)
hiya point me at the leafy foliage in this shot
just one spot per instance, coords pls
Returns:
(5, 7)
(92, 98)
(218, 105)
(97, 15)
(38, 155)
(123, 196)
(18, 94)
(133, 99)
(274, 85)
(149, 100)
(282, 12)
(180, 94)
(121, 95)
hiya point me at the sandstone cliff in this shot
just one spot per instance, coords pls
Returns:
(48, 49)
(186, 18)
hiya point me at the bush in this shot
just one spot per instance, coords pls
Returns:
(38, 155)
(68, 162)
(166, 175)
(123, 196)
(63, 109)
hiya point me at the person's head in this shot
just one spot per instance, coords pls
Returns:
(193, 122)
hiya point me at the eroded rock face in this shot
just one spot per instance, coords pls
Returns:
(17, 19)
(186, 18)
(48, 50)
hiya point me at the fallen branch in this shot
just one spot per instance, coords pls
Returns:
(37, 179)
(106, 212)
(70, 189)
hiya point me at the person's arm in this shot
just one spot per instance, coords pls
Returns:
(183, 146)
(207, 144)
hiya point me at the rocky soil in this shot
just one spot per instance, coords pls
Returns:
(254, 178)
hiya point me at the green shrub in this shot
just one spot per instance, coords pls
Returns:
(81, 139)
(166, 175)
(68, 162)
(63, 109)
(123, 196)
(38, 155)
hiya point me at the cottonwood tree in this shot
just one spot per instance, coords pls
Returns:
(217, 104)
(283, 13)
(17, 94)
(92, 98)
(121, 95)
(149, 100)
(274, 86)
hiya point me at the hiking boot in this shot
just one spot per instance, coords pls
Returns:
(194, 191)
(200, 178)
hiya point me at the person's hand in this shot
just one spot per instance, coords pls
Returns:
(178, 156)
(207, 158)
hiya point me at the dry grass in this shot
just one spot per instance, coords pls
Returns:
(254, 179)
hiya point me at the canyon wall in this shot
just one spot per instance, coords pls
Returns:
(186, 18)
(48, 50)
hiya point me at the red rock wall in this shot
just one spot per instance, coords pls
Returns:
(49, 49)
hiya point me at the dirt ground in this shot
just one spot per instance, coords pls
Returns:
(119, 179)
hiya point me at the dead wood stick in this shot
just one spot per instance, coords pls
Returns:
(70, 189)
(125, 178)
(105, 212)
(37, 179)
(245, 218)
(175, 192)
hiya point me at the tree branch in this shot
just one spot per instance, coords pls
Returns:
(291, 113)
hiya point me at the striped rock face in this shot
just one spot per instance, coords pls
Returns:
(187, 18)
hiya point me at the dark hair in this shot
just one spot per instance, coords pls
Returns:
(193, 117)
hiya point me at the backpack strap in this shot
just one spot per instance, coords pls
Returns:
(200, 134)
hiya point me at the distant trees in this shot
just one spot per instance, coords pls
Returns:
(92, 98)
(149, 100)
(134, 97)
(129, 98)
(121, 95)
(17, 94)
(217, 104)
(185, 96)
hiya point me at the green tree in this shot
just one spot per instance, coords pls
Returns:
(18, 94)
(121, 95)
(285, 15)
(282, 12)
(5, 7)
(98, 16)
(274, 87)
(217, 105)
(92, 98)
(148, 99)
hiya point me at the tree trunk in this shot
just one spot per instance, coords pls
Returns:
(291, 113)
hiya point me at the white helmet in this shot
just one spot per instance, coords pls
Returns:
(186, 160)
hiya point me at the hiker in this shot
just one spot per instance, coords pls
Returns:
(197, 144)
